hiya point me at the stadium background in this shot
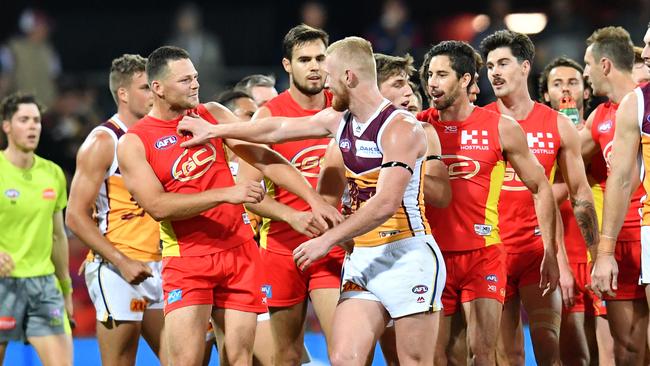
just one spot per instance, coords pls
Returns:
(87, 35)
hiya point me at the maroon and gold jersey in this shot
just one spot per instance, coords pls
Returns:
(519, 227)
(472, 151)
(193, 170)
(360, 145)
(307, 157)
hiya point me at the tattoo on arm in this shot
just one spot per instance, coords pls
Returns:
(585, 215)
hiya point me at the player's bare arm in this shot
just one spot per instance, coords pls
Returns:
(301, 221)
(60, 258)
(515, 149)
(144, 186)
(391, 186)
(94, 158)
(437, 190)
(567, 280)
(273, 129)
(573, 172)
(274, 166)
(617, 195)
(331, 181)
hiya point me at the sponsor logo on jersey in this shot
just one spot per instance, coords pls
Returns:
(483, 230)
(492, 288)
(451, 129)
(492, 278)
(386, 234)
(138, 305)
(351, 286)
(420, 289)
(537, 231)
(461, 166)
(345, 145)
(244, 217)
(309, 160)
(192, 164)
(12, 193)
(605, 126)
(267, 290)
(474, 140)
(367, 149)
(7, 322)
(541, 142)
(49, 194)
(174, 295)
(420, 300)
(166, 142)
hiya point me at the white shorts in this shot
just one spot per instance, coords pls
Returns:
(116, 299)
(645, 255)
(406, 276)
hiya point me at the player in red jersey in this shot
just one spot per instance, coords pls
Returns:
(552, 138)
(475, 143)
(387, 224)
(210, 257)
(584, 332)
(287, 221)
(609, 60)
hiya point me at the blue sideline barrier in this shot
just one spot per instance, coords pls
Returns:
(86, 353)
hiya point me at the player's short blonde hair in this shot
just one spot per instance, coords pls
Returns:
(355, 53)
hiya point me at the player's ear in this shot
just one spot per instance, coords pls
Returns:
(606, 64)
(547, 98)
(351, 79)
(157, 88)
(465, 80)
(122, 94)
(286, 64)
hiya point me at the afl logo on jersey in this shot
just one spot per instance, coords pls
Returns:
(192, 164)
(461, 166)
(166, 142)
(309, 160)
(605, 126)
(345, 145)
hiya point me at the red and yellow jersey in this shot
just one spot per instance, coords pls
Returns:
(188, 171)
(428, 115)
(360, 145)
(602, 131)
(472, 151)
(307, 157)
(643, 105)
(519, 227)
(574, 242)
(119, 218)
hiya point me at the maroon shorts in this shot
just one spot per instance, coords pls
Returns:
(285, 285)
(229, 279)
(473, 274)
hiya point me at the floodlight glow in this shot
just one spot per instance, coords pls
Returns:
(527, 23)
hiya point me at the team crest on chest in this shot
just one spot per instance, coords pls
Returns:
(193, 164)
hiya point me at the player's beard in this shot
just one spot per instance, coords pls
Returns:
(341, 101)
(307, 90)
(448, 99)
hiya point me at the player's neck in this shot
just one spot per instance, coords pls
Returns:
(308, 102)
(19, 158)
(621, 85)
(164, 111)
(128, 118)
(517, 104)
(365, 105)
(459, 111)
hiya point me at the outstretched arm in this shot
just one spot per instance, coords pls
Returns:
(515, 148)
(271, 130)
(331, 182)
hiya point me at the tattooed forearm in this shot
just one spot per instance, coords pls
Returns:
(585, 215)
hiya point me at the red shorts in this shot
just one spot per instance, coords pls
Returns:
(230, 279)
(285, 285)
(585, 300)
(473, 274)
(628, 257)
(523, 270)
